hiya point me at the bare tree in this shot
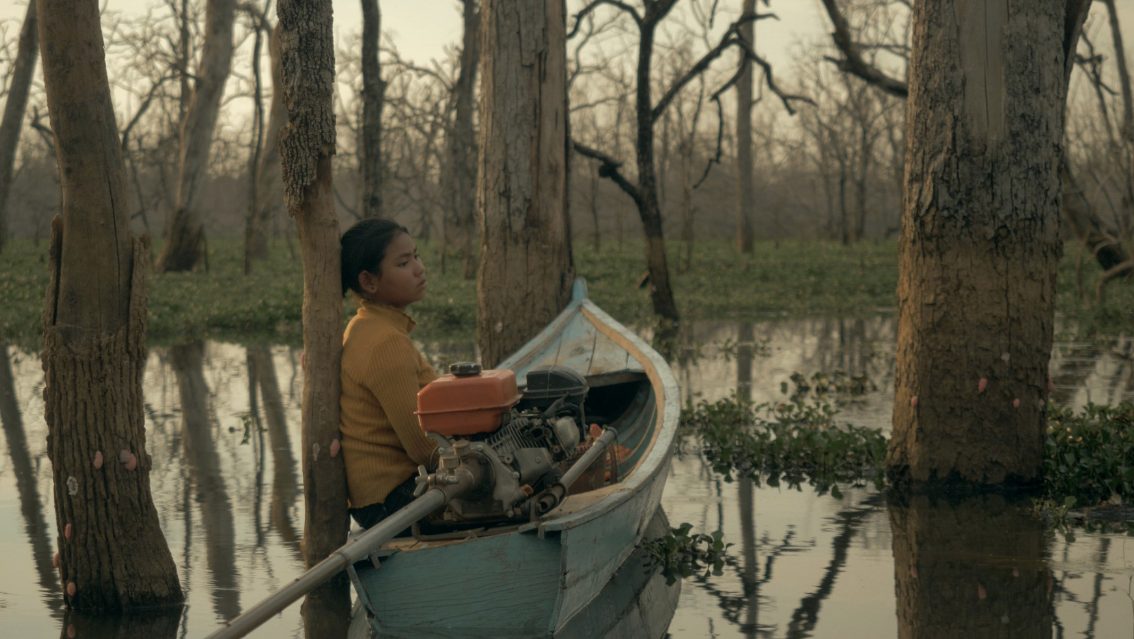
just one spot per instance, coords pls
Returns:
(373, 88)
(113, 556)
(459, 176)
(185, 238)
(526, 260)
(647, 113)
(267, 196)
(308, 60)
(746, 197)
(14, 108)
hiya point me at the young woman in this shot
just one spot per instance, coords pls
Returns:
(381, 370)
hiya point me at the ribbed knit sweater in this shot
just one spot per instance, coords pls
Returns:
(381, 374)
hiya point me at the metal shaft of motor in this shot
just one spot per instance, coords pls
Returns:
(346, 555)
(555, 493)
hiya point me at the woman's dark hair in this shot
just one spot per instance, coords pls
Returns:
(363, 247)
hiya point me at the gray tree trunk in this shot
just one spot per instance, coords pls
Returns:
(746, 196)
(980, 242)
(269, 189)
(308, 55)
(526, 267)
(185, 238)
(373, 92)
(461, 147)
(14, 107)
(113, 556)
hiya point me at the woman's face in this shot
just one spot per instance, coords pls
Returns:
(401, 275)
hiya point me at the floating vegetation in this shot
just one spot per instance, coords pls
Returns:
(1089, 458)
(792, 443)
(682, 553)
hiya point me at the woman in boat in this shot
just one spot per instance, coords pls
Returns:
(381, 370)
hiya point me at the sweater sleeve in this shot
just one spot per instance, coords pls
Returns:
(393, 378)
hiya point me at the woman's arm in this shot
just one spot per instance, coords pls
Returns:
(394, 381)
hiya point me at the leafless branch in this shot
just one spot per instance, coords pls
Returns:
(596, 4)
(609, 168)
(852, 61)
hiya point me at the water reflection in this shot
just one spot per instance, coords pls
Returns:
(223, 430)
(285, 484)
(206, 476)
(971, 568)
(31, 508)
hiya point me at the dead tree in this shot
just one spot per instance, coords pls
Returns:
(185, 238)
(644, 193)
(373, 89)
(14, 107)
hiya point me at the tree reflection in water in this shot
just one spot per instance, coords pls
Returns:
(971, 567)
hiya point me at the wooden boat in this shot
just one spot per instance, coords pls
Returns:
(574, 572)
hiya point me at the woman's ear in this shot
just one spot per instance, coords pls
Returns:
(368, 282)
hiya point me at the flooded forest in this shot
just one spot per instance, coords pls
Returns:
(754, 318)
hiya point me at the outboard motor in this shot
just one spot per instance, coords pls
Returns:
(520, 440)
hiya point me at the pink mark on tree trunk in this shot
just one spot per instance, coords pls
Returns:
(1016, 403)
(913, 401)
(67, 531)
(128, 459)
(71, 589)
(335, 447)
(982, 384)
(98, 459)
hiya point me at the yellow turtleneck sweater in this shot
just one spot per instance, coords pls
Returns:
(381, 374)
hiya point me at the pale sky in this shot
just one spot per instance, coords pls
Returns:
(422, 28)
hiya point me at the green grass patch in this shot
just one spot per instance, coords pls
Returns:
(784, 279)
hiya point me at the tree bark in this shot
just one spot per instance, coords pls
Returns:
(746, 197)
(373, 92)
(461, 146)
(526, 267)
(269, 190)
(14, 107)
(186, 234)
(112, 553)
(306, 147)
(980, 242)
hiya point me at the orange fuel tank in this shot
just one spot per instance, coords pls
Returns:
(467, 401)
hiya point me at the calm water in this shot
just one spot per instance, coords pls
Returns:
(801, 565)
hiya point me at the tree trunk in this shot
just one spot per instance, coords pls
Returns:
(746, 196)
(373, 91)
(980, 242)
(269, 191)
(526, 267)
(112, 553)
(943, 587)
(462, 145)
(306, 146)
(14, 107)
(661, 294)
(186, 235)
